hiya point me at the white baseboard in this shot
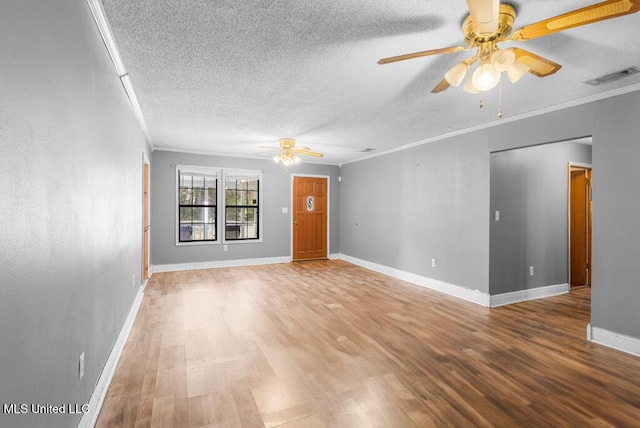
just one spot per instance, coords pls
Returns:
(529, 294)
(621, 342)
(474, 296)
(336, 256)
(90, 418)
(220, 264)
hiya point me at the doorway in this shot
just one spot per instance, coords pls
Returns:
(579, 225)
(310, 217)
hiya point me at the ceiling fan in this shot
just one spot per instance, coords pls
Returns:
(490, 23)
(289, 152)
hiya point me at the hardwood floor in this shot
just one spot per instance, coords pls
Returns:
(329, 344)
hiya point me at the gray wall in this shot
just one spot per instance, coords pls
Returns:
(529, 188)
(403, 209)
(71, 154)
(276, 188)
(616, 216)
(452, 194)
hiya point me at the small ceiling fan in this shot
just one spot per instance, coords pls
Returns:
(289, 152)
(490, 23)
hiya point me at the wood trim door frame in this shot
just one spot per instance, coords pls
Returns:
(292, 207)
(579, 165)
(146, 268)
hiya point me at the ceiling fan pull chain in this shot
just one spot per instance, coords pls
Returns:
(500, 101)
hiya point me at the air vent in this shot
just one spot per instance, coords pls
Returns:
(367, 150)
(613, 76)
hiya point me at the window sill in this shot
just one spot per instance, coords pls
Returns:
(190, 243)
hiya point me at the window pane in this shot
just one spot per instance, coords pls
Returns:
(249, 231)
(198, 196)
(198, 215)
(232, 232)
(231, 183)
(198, 181)
(210, 231)
(211, 196)
(186, 181)
(231, 197)
(241, 197)
(252, 197)
(210, 183)
(185, 196)
(252, 185)
(185, 232)
(249, 215)
(232, 214)
(210, 215)
(186, 215)
(198, 232)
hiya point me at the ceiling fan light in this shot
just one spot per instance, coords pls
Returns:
(468, 87)
(485, 77)
(502, 59)
(455, 76)
(516, 71)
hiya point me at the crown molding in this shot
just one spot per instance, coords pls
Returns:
(550, 109)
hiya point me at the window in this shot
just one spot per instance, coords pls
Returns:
(197, 206)
(242, 206)
(215, 205)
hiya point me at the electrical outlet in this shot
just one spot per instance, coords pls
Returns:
(497, 216)
(225, 247)
(433, 262)
(530, 270)
(81, 367)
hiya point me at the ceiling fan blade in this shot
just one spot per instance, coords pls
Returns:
(484, 15)
(452, 49)
(309, 153)
(538, 66)
(586, 15)
(442, 86)
(270, 147)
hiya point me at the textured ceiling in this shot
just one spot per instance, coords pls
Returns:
(227, 76)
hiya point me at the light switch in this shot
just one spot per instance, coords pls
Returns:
(497, 216)
(285, 210)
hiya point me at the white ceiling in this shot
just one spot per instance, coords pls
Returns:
(227, 76)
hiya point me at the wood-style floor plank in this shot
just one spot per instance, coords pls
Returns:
(330, 344)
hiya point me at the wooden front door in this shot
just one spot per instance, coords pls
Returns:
(145, 222)
(580, 227)
(309, 218)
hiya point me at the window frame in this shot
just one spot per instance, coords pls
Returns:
(245, 173)
(221, 207)
(196, 170)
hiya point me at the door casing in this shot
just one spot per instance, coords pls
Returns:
(146, 223)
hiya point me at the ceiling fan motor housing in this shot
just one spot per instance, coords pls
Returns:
(505, 25)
